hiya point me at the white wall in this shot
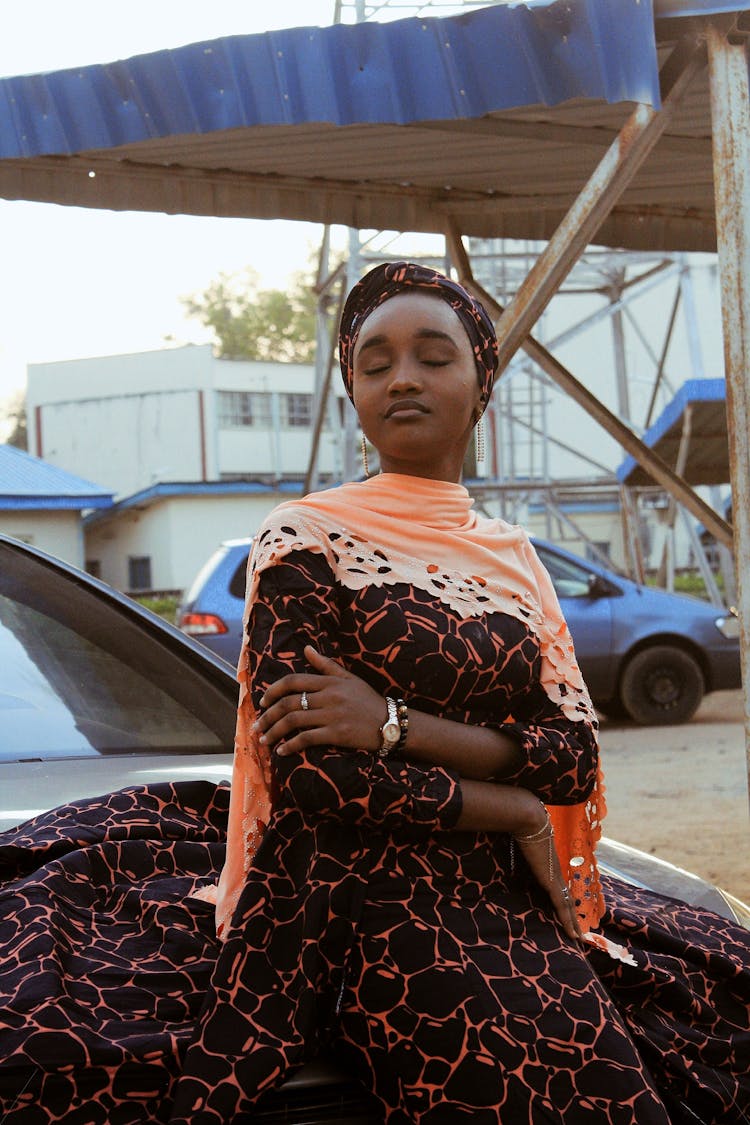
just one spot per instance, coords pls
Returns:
(178, 534)
(128, 443)
(127, 422)
(58, 532)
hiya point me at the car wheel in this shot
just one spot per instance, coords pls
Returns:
(661, 685)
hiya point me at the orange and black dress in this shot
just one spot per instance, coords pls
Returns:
(356, 919)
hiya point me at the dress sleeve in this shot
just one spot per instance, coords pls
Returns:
(554, 723)
(296, 605)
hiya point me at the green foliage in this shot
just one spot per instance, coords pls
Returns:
(689, 582)
(165, 607)
(261, 324)
(15, 412)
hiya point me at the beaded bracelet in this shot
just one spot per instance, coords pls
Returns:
(403, 721)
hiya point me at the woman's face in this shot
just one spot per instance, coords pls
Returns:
(415, 386)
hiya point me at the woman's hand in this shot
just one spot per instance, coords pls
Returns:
(541, 857)
(342, 710)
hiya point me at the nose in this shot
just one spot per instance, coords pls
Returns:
(404, 376)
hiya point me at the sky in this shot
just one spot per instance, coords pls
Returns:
(76, 282)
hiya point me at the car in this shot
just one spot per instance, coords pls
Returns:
(646, 655)
(98, 693)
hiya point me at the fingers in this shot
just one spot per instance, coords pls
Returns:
(325, 664)
(542, 859)
(297, 682)
(564, 906)
(293, 712)
(292, 686)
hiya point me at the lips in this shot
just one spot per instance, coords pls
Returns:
(405, 405)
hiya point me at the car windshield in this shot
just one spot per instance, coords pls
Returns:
(80, 677)
(569, 580)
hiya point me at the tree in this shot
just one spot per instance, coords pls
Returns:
(15, 414)
(253, 323)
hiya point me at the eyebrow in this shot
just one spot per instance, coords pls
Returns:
(420, 334)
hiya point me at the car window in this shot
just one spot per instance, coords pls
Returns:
(569, 580)
(237, 584)
(80, 677)
(203, 576)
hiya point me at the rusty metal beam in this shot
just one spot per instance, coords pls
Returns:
(625, 437)
(607, 183)
(730, 118)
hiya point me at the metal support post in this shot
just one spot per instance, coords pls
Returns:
(618, 339)
(730, 118)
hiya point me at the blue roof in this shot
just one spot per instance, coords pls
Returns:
(169, 489)
(28, 483)
(410, 70)
(708, 444)
(294, 124)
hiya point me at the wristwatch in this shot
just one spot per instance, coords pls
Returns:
(390, 732)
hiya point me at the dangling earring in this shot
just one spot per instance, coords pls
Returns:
(479, 438)
(364, 456)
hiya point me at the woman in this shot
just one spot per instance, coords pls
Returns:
(410, 871)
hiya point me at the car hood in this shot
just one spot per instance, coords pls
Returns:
(33, 787)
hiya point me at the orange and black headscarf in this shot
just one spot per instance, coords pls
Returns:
(388, 280)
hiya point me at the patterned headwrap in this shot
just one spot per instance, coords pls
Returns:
(392, 278)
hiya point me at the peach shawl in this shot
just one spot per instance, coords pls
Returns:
(393, 528)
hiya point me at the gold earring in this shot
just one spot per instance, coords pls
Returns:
(479, 438)
(364, 456)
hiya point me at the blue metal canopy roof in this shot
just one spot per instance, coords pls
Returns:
(708, 448)
(27, 483)
(418, 69)
(493, 119)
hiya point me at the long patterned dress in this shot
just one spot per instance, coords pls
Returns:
(410, 950)
(366, 925)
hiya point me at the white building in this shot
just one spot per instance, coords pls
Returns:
(178, 414)
(196, 450)
(159, 538)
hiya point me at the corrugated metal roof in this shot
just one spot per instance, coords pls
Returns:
(27, 482)
(708, 449)
(495, 118)
(418, 69)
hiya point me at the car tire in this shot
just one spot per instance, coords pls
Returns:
(661, 686)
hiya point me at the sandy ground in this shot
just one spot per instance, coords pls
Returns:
(682, 792)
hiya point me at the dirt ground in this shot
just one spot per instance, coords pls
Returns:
(682, 793)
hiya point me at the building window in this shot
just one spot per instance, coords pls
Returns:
(604, 548)
(94, 567)
(244, 408)
(297, 409)
(139, 573)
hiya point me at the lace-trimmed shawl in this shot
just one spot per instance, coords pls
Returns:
(393, 529)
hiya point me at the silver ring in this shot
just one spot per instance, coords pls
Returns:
(304, 702)
(566, 894)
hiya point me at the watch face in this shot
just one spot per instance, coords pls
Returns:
(391, 731)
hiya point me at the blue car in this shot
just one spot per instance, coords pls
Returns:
(646, 655)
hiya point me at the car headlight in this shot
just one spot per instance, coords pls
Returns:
(729, 625)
